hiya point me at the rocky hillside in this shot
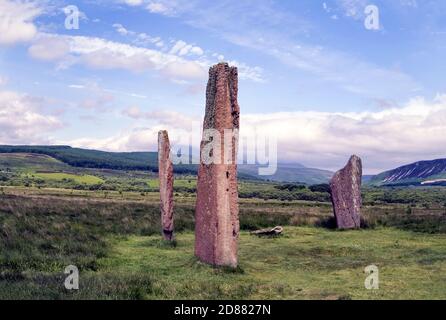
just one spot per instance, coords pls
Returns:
(431, 172)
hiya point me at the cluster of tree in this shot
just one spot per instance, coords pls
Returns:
(320, 188)
(412, 196)
(290, 187)
(285, 195)
(296, 186)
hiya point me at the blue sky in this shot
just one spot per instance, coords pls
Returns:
(309, 70)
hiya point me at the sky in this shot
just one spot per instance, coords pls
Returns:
(313, 73)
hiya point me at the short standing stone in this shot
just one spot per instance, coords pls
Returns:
(345, 189)
(165, 170)
(216, 214)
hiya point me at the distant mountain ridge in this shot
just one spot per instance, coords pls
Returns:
(430, 172)
(291, 173)
(85, 158)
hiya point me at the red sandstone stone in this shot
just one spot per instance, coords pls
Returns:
(165, 170)
(216, 215)
(346, 194)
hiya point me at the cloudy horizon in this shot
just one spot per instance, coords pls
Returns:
(310, 73)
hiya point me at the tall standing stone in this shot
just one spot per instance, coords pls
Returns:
(165, 171)
(216, 214)
(345, 189)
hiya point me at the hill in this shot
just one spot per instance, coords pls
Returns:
(85, 158)
(291, 173)
(30, 161)
(148, 161)
(431, 172)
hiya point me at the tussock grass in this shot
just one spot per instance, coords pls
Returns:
(116, 245)
(305, 263)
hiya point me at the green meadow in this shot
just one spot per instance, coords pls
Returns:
(181, 183)
(305, 263)
(115, 242)
(59, 176)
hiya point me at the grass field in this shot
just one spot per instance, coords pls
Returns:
(59, 176)
(107, 223)
(305, 263)
(182, 182)
(113, 238)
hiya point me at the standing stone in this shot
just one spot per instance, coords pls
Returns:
(165, 171)
(345, 189)
(216, 214)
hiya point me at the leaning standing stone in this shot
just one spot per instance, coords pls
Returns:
(345, 189)
(165, 171)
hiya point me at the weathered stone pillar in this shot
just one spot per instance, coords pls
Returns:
(345, 189)
(165, 171)
(216, 214)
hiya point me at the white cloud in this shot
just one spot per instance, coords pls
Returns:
(138, 139)
(384, 139)
(107, 58)
(103, 54)
(16, 21)
(353, 8)
(133, 2)
(171, 119)
(345, 70)
(145, 39)
(184, 69)
(197, 51)
(49, 49)
(76, 86)
(142, 39)
(182, 48)
(246, 72)
(120, 29)
(326, 7)
(262, 30)
(177, 47)
(161, 8)
(183, 61)
(22, 122)
(136, 95)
